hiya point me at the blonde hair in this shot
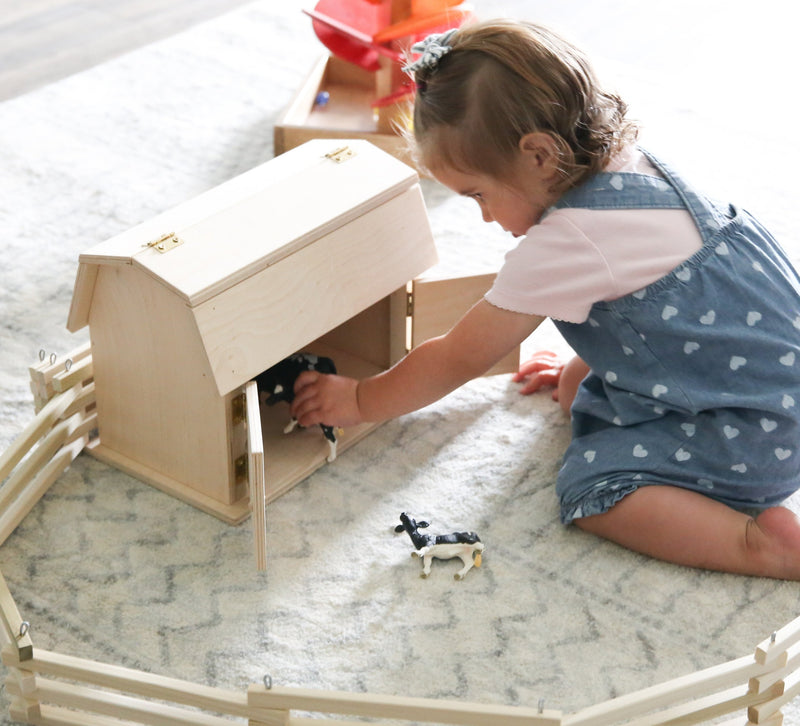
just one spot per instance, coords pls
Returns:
(502, 80)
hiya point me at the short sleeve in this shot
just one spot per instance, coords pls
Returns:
(555, 271)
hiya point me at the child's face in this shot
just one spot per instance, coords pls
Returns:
(515, 208)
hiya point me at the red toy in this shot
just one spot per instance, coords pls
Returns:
(376, 35)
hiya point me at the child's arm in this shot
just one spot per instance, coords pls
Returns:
(429, 372)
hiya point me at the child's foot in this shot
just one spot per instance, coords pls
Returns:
(775, 536)
(685, 527)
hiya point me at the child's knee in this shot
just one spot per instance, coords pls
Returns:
(574, 372)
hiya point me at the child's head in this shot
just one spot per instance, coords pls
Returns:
(497, 81)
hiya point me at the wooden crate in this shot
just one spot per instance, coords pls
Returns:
(347, 114)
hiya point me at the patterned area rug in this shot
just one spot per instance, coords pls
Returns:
(109, 568)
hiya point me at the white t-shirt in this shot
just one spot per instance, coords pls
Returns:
(574, 258)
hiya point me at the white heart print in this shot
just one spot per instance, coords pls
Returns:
(669, 311)
(639, 451)
(737, 361)
(690, 346)
(768, 425)
(731, 432)
(753, 317)
(708, 318)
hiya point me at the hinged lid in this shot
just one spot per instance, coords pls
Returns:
(274, 258)
(242, 226)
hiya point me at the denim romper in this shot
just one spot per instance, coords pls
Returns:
(695, 379)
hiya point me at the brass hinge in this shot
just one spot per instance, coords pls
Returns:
(238, 409)
(343, 153)
(240, 468)
(165, 243)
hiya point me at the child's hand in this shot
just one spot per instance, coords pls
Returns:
(325, 399)
(543, 369)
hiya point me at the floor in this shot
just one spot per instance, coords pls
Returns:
(42, 41)
(729, 65)
(45, 40)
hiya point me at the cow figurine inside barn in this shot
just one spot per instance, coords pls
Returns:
(465, 545)
(277, 384)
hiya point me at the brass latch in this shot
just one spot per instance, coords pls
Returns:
(343, 153)
(165, 243)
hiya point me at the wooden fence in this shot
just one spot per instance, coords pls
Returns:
(50, 688)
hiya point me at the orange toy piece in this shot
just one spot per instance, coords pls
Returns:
(423, 24)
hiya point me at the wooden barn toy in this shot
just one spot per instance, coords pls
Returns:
(315, 251)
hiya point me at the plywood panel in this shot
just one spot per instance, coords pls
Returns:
(255, 473)
(439, 304)
(281, 309)
(156, 399)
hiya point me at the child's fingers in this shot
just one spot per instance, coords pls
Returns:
(305, 379)
(306, 397)
(541, 379)
(541, 361)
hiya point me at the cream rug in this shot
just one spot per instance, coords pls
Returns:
(109, 568)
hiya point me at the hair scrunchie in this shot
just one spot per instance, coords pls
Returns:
(433, 49)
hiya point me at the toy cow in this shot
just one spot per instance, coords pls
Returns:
(465, 545)
(277, 384)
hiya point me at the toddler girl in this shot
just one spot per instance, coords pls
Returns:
(685, 315)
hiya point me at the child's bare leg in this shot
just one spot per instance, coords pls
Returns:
(687, 528)
(573, 373)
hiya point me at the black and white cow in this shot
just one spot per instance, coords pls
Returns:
(277, 384)
(465, 545)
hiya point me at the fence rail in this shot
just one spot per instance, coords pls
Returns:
(53, 688)
(50, 688)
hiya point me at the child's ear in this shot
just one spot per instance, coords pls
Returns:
(540, 151)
